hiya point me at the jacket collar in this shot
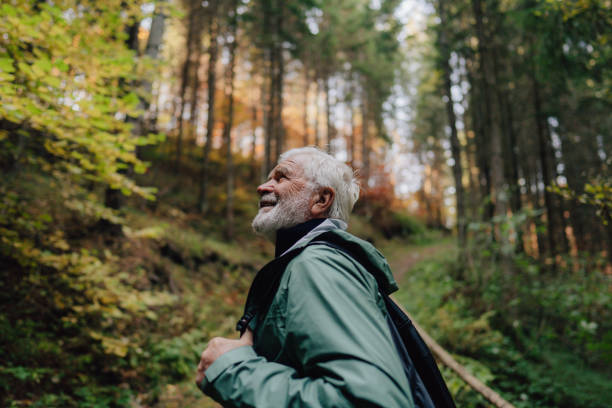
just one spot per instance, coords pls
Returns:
(286, 237)
(299, 235)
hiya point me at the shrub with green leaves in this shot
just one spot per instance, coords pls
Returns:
(68, 101)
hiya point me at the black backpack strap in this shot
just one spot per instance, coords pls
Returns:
(264, 287)
(420, 393)
(421, 356)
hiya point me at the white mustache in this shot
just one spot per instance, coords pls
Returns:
(267, 199)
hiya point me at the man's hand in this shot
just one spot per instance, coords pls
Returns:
(218, 346)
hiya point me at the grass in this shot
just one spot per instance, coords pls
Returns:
(545, 374)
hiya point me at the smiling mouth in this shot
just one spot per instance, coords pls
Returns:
(263, 204)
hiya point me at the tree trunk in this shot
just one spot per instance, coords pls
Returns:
(280, 76)
(454, 140)
(328, 124)
(184, 82)
(537, 200)
(317, 112)
(265, 114)
(481, 145)
(574, 156)
(353, 134)
(271, 115)
(154, 42)
(511, 147)
(557, 201)
(305, 106)
(195, 89)
(254, 131)
(492, 118)
(156, 33)
(280, 73)
(212, 63)
(229, 230)
(469, 118)
(132, 37)
(544, 161)
(365, 148)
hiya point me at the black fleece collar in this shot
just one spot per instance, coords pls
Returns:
(286, 237)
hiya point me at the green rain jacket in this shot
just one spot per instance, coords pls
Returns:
(324, 341)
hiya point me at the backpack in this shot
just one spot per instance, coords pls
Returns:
(426, 383)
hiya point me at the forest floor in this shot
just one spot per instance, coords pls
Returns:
(402, 259)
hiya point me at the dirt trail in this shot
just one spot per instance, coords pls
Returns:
(402, 260)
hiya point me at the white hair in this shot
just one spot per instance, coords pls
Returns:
(324, 170)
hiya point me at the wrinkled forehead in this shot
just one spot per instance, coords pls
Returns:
(295, 165)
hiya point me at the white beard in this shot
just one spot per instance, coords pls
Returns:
(287, 213)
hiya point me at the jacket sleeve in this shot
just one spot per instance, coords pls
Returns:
(337, 338)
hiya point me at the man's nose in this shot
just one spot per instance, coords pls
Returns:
(266, 187)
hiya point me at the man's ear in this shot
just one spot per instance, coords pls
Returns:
(323, 200)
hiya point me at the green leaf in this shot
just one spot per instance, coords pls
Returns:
(61, 65)
(6, 64)
(131, 100)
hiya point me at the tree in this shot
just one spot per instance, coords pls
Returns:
(68, 82)
(443, 46)
(152, 50)
(210, 121)
(192, 63)
(230, 74)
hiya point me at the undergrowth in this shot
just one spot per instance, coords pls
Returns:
(540, 342)
(111, 317)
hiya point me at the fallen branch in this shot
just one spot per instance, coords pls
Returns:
(446, 359)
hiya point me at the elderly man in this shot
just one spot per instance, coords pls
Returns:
(323, 341)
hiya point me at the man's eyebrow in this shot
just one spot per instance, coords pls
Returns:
(280, 170)
(276, 170)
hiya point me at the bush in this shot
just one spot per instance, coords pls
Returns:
(543, 338)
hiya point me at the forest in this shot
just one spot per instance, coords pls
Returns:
(133, 136)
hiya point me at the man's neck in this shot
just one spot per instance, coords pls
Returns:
(286, 237)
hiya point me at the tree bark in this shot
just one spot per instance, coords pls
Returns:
(270, 111)
(365, 147)
(184, 82)
(454, 140)
(544, 162)
(229, 229)
(265, 114)
(511, 147)
(254, 132)
(156, 33)
(328, 122)
(317, 141)
(194, 100)
(492, 118)
(212, 64)
(353, 134)
(280, 73)
(154, 42)
(305, 106)
(481, 144)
